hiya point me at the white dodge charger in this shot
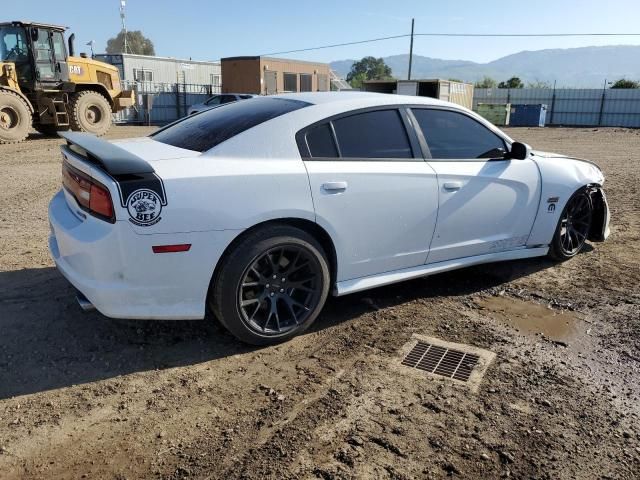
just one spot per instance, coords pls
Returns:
(261, 208)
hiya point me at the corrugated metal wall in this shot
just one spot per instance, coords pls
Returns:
(577, 107)
(165, 70)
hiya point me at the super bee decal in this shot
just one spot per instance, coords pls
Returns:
(144, 207)
(143, 196)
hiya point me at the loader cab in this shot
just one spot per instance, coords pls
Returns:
(38, 52)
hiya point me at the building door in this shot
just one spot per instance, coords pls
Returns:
(306, 82)
(323, 82)
(270, 82)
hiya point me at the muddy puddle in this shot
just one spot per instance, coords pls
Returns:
(533, 318)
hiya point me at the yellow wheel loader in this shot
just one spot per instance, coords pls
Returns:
(42, 84)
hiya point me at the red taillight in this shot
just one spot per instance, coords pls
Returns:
(100, 201)
(182, 247)
(90, 194)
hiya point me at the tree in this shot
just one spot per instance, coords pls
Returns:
(486, 82)
(624, 83)
(513, 82)
(369, 68)
(136, 43)
(539, 84)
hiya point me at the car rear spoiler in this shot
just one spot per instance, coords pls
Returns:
(130, 172)
(112, 159)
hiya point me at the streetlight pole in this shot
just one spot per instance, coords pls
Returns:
(411, 50)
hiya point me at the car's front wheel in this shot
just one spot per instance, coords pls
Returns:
(573, 227)
(271, 286)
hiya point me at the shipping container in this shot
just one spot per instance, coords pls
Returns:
(447, 90)
(526, 115)
(496, 113)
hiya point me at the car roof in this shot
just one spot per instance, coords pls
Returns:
(360, 98)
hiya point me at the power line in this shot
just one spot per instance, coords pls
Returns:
(337, 45)
(498, 35)
(528, 34)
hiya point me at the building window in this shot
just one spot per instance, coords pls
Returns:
(142, 75)
(305, 82)
(290, 82)
(215, 80)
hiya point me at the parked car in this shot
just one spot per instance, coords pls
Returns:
(263, 208)
(218, 100)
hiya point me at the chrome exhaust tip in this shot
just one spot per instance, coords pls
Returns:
(84, 303)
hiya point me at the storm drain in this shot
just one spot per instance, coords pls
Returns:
(424, 356)
(442, 361)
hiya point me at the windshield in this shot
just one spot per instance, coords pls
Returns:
(209, 128)
(13, 45)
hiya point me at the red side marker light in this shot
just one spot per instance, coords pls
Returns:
(182, 247)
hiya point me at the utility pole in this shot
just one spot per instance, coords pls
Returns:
(410, 50)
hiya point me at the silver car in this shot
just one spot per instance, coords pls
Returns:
(219, 99)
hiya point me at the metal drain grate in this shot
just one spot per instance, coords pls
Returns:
(442, 361)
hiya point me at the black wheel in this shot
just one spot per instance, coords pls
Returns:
(15, 118)
(90, 112)
(573, 227)
(271, 286)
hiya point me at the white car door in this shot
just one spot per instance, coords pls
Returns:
(487, 203)
(372, 190)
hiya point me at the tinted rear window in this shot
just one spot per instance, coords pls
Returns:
(205, 130)
(320, 142)
(376, 134)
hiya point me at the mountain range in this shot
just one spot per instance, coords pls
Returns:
(585, 67)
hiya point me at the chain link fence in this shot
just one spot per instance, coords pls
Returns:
(162, 103)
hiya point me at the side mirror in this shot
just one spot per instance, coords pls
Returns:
(519, 151)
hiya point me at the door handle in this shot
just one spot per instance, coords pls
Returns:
(334, 186)
(452, 186)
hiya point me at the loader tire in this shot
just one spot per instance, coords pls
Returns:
(15, 118)
(90, 112)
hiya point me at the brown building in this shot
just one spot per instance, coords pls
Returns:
(268, 76)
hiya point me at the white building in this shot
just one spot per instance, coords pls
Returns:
(144, 69)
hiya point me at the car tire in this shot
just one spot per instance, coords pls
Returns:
(573, 227)
(271, 286)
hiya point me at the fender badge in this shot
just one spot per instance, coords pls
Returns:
(144, 207)
(552, 204)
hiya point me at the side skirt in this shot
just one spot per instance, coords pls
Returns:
(358, 284)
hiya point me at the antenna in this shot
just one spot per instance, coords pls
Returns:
(123, 4)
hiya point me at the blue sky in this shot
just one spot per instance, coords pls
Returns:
(207, 30)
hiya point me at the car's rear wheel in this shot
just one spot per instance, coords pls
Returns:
(573, 227)
(271, 286)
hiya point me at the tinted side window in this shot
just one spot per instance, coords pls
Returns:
(320, 142)
(376, 134)
(452, 135)
(214, 100)
(210, 128)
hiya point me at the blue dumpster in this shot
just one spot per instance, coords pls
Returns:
(528, 115)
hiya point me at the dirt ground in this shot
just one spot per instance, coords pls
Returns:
(82, 396)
